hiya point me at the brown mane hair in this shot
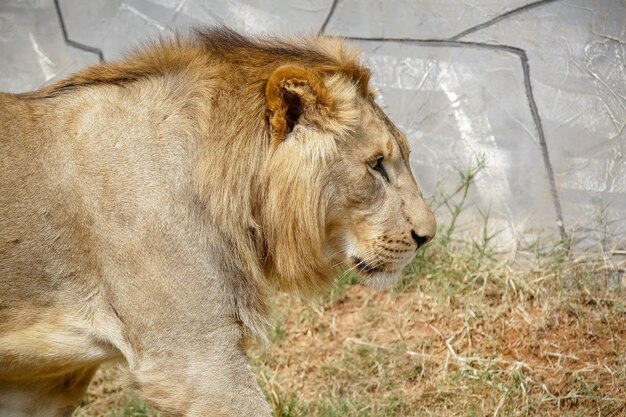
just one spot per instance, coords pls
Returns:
(181, 54)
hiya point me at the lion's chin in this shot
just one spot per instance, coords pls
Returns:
(377, 277)
(381, 280)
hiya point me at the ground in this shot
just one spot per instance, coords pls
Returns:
(465, 333)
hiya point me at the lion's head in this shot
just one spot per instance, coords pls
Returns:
(380, 218)
(338, 184)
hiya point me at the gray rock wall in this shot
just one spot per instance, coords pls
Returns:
(534, 90)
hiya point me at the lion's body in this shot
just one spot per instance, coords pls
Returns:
(136, 210)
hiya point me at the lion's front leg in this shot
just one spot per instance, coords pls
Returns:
(176, 325)
(200, 376)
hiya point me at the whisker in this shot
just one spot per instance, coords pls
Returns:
(367, 258)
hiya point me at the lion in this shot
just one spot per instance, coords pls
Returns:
(149, 208)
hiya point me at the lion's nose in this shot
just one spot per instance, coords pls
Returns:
(420, 240)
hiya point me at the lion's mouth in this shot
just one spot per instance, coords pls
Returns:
(364, 266)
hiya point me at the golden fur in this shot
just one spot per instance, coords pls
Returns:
(148, 206)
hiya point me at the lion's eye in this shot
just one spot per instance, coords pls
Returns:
(377, 165)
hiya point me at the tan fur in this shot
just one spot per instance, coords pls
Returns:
(148, 206)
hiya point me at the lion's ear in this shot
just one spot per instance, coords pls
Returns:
(290, 92)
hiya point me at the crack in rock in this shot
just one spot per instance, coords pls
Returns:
(331, 12)
(500, 18)
(72, 43)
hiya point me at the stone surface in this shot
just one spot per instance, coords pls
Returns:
(116, 26)
(458, 103)
(423, 19)
(32, 49)
(577, 55)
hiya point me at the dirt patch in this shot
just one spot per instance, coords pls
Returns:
(410, 347)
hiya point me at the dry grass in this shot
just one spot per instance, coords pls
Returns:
(464, 335)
